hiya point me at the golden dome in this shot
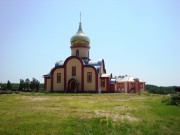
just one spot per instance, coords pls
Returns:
(80, 39)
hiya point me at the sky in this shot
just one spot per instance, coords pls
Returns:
(135, 37)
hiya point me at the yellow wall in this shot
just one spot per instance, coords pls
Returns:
(83, 52)
(74, 62)
(89, 86)
(104, 88)
(48, 88)
(58, 86)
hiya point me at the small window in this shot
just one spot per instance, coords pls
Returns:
(73, 71)
(77, 53)
(89, 77)
(102, 83)
(58, 77)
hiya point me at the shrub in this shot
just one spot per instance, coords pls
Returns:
(173, 99)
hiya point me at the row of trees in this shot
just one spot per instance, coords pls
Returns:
(27, 85)
(6, 86)
(24, 85)
(159, 89)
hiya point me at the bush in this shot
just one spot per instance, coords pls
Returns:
(173, 99)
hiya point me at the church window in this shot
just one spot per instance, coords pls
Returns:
(102, 83)
(77, 53)
(58, 77)
(73, 71)
(89, 77)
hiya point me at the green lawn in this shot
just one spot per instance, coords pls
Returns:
(28, 113)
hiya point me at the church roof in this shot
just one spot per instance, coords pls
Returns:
(106, 75)
(96, 64)
(47, 75)
(112, 81)
(59, 63)
(128, 79)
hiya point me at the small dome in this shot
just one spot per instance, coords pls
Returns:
(80, 39)
(59, 63)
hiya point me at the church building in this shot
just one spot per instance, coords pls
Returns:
(78, 73)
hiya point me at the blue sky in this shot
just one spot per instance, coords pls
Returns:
(135, 37)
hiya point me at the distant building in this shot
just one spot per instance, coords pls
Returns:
(128, 84)
(78, 73)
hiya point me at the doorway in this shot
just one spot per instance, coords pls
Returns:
(73, 85)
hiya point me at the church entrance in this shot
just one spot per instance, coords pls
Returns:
(73, 85)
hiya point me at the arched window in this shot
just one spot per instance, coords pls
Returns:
(89, 77)
(102, 83)
(73, 71)
(77, 53)
(58, 77)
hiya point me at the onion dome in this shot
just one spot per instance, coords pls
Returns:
(80, 39)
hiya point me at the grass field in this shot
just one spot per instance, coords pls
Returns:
(28, 113)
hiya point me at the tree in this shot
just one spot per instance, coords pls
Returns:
(27, 84)
(37, 85)
(34, 85)
(22, 85)
(15, 86)
(159, 89)
(9, 85)
(3, 86)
